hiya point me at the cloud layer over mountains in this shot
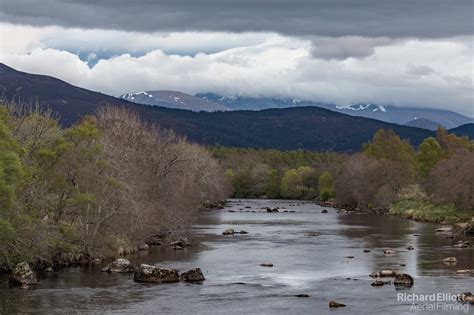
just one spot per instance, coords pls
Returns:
(410, 53)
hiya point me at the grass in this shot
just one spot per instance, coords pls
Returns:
(415, 205)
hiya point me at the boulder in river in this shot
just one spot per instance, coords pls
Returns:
(312, 234)
(193, 275)
(333, 304)
(153, 274)
(301, 295)
(450, 260)
(272, 210)
(410, 247)
(383, 273)
(387, 273)
(379, 283)
(390, 252)
(460, 245)
(22, 274)
(119, 265)
(228, 232)
(466, 297)
(464, 271)
(143, 247)
(242, 232)
(267, 264)
(403, 279)
(366, 250)
(324, 211)
(181, 242)
(446, 229)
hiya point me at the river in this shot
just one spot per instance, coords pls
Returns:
(236, 284)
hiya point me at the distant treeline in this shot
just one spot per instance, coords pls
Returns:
(442, 171)
(99, 187)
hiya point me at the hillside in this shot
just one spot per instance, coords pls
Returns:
(387, 113)
(311, 128)
(69, 101)
(464, 130)
(422, 123)
(173, 99)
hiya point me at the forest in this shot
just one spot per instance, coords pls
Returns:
(387, 174)
(103, 186)
(96, 189)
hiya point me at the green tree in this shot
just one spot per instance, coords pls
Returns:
(11, 169)
(326, 186)
(387, 145)
(272, 186)
(290, 184)
(450, 143)
(299, 183)
(430, 152)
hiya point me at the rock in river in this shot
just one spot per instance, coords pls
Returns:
(390, 252)
(403, 279)
(383, 273)
(464, 271)
(333, 304)
(193, 275)
(312, 234)
(22, 274)
(444, 229)
(143, 247)
(379, 283)
(450, 260)
(119, 266)
(228, 232)
(267, 264)
(153, 274)
(270, 210)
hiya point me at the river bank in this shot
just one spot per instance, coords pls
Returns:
(418, 210)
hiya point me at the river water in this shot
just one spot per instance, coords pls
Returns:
(236, 284)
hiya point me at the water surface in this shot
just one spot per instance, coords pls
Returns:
(236, 284)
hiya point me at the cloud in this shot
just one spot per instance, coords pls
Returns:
(328, 18)
(409, 72)
(106, 43)
(347, 46)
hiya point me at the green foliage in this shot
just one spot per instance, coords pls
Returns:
(450, 143)
(259, 173)
(11, 169)
(69, 192)
(429, 154)
(326, 186)
(387, 145)
(272, 185)
(298, 183)
(418, 206)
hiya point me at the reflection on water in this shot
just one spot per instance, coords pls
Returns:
(235, 283)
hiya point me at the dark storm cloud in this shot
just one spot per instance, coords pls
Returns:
(333, 18)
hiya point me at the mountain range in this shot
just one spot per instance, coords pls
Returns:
(426, 118)
(173, 99)
(387, 113)
(302, 127)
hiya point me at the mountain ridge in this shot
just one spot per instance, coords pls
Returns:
(303, 127)
(387, 113)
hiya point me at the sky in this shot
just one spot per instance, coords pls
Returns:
(416, 53)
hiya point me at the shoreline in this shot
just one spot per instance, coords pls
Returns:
(462, 220)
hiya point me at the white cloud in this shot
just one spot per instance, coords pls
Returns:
(409, 72)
